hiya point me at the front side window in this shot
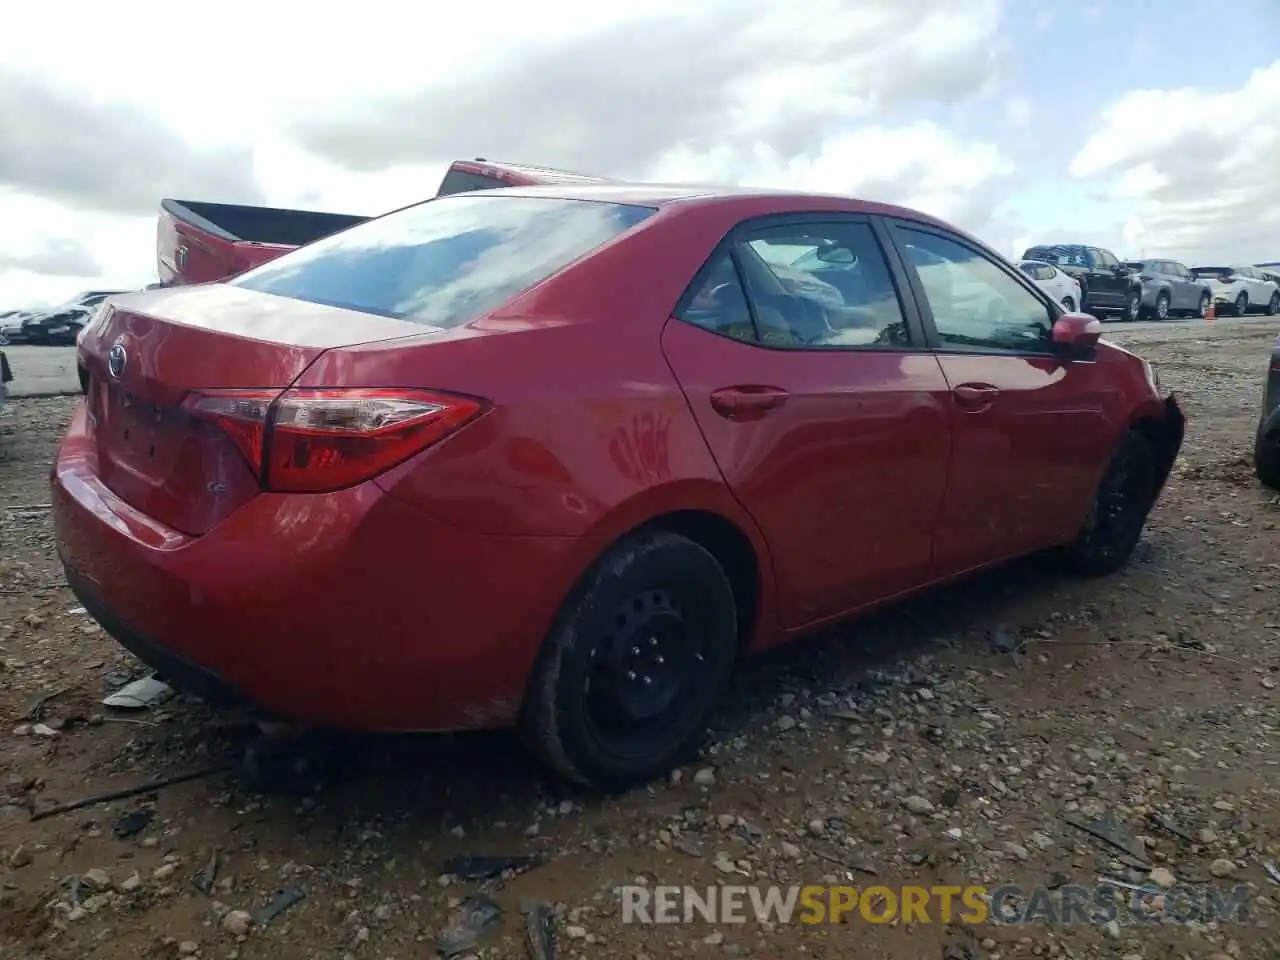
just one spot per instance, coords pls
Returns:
(974, 302)
(447, 261)
(1105, 259)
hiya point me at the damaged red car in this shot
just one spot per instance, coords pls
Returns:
(555, 457)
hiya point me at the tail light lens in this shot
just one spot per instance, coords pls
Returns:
(311, 441)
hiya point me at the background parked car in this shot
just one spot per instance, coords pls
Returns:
(1241, 289)
(55, 327)
(11, 324)
(1106, 287)
(1063, 288)
(1170, 289)
(62, 324)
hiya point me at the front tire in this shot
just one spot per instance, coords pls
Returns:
(1069, 304)
(1242, 305)
(1162, 307)
(1273, 305)
(631, 670)
(1204, 306)
(1119, 511)
(1266, 460)
(1133, 309)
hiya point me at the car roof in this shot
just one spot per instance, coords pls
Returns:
(662, 194)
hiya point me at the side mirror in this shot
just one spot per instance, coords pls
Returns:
(1077, 332)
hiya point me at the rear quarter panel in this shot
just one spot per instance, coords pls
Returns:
(588, 432)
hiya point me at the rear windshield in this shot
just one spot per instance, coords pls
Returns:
(447, 261)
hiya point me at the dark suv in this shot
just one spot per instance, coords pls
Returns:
(1106, 285)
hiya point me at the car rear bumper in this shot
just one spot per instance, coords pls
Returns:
(348, 610)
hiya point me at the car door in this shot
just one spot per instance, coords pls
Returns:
(1112, 287)
(1029, 426)
(1259, 290)
(828, 416)
(1180, 297)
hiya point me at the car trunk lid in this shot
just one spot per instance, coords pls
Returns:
(152, 352)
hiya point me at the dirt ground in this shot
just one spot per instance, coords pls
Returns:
(947, 741)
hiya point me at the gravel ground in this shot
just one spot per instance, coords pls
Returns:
(951, 740)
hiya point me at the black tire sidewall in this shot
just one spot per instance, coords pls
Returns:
(1085, 555)
(1162, 298)
(1133, 309)
(1242, 304)
(1205, 300)
(1266, 460)
(1273, 305)
(557, 727)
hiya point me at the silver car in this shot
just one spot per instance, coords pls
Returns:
(1170, 289)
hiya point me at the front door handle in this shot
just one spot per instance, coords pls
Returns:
(746, 403)
(975, 396)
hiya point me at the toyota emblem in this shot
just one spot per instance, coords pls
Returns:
(116, 359)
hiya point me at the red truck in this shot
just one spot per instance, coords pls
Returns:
(200, 242)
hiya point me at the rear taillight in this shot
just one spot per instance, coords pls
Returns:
(310, 441)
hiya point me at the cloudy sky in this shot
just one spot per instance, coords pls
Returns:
(1149, 128)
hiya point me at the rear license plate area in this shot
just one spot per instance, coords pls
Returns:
(137, 429)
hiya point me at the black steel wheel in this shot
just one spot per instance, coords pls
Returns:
(1119, 510)
(628, 676)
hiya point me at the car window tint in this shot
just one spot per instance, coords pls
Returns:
(719, 302)
(974, 302)
(822, 286)
(447, 261)
(1030, 269)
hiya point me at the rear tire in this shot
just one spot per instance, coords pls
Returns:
(630, 672)
(1266, 460)
(1242, 305)
(1119, 510)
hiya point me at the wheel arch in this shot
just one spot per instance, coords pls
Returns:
(1164, 431)
(708, 514)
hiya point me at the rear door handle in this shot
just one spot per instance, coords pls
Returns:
(975, 396)
(753, 402)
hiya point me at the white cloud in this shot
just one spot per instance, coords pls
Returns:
(360, 114)
(1200, 165)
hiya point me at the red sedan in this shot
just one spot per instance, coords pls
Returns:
(554, 457)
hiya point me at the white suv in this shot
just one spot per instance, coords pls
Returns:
(1241, 289)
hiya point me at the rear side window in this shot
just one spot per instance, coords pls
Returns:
(447, 261)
